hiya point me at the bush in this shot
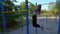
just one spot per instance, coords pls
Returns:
(10, 19)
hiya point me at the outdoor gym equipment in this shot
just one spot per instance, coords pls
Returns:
(27, 24)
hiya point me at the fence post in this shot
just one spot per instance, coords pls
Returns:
(27, 21)
(3, 16)
(58, 6)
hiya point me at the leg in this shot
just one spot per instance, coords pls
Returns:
(34, 21)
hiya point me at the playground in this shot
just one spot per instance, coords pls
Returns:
(17, 19)
(50, 27)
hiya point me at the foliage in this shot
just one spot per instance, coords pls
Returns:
(53, 9)
(8, 5)
(44, 11)
(22, 5)
(10, 16)
(30, 8)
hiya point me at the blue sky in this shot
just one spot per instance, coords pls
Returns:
(38, 2)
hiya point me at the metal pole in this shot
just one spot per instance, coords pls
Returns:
(36, 27)
(58, 5)
(59, 23)
(21, 18)
(46, 18)
(3, 17)
(27, 23)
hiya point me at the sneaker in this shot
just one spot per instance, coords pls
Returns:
(41, 27)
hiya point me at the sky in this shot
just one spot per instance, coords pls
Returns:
(38, 2)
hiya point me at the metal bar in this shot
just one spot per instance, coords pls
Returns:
(59, 23)
(27, 23)
(21, 18)
(36, 27)
(11, 11)
(3, 17)
(46, 19)
(58, 5)
(36, 30)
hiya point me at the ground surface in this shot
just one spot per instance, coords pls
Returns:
(50, 27)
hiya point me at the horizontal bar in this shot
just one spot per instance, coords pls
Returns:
(12, 11)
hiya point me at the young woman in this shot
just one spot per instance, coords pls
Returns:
(34, 17)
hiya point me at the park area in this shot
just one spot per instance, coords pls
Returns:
(50, 27)
(13, 15)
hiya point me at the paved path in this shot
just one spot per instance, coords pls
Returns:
(50, 27)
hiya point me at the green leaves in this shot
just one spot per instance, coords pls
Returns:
(30, 8)
(53, 8)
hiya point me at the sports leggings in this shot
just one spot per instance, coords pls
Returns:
(34, 21)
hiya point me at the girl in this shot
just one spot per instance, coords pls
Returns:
(34, 17)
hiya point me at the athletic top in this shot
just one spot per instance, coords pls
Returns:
(34, 12)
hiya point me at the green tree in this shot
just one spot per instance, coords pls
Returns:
(22, 5)
(30, 6)
(44, 11)
(10, 16)
(53, 8)
(8, 4)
